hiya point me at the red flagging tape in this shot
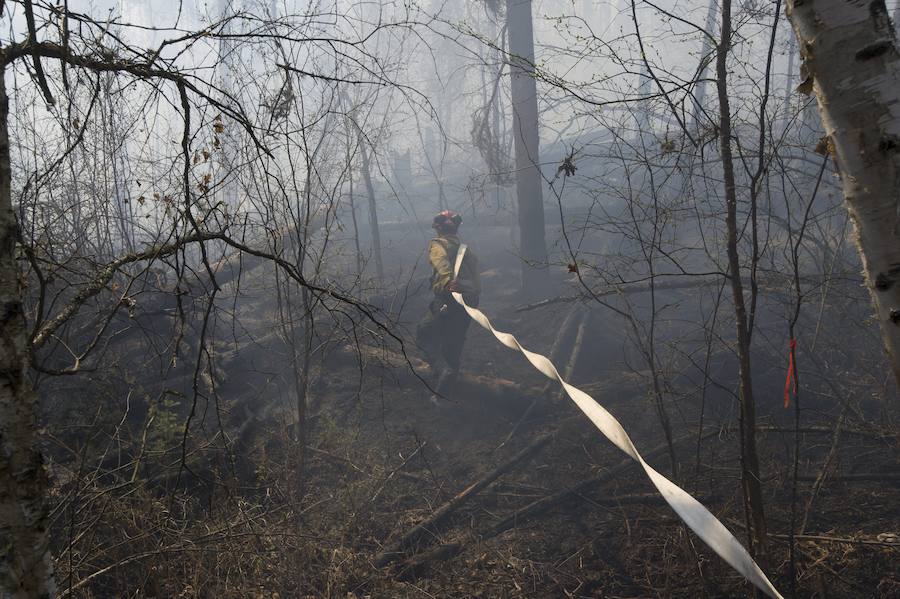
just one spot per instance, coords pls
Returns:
(791, 378)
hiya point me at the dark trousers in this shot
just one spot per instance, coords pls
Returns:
(441, 334)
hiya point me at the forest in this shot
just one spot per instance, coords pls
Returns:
(358, 299)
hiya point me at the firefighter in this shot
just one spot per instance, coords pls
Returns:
(442, 331)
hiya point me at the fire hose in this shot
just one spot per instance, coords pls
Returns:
(691, 511)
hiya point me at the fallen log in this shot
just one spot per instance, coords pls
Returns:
(429, 525)
(542, 505)
(865, 476)
(881, 540)
(773, 284)
(575, 324)
(409, 367)
(417, 565)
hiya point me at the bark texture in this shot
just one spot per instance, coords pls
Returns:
(852, 65)
(532, 243)
(25, 564)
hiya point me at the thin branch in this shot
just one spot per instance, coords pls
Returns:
(38, 67)
(652, 74)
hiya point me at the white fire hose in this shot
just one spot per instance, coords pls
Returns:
(694, 514)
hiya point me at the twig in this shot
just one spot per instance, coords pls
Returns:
(823, 472)
(843, 540)
(441, 514)
(393, 472)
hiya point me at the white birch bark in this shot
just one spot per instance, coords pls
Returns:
(850, 55)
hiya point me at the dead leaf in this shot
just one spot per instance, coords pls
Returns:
(825, 147)
(567, 166)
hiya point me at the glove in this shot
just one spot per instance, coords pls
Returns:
(454, 287)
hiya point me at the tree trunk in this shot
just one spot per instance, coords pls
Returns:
(26, 568)
(532, 245)
(705, 48)
(373, 212)
(643, 137)
(750, 482)
(850, 55)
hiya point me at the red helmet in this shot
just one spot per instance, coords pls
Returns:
(447, 222)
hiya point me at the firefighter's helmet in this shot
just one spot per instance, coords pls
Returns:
(447, 222)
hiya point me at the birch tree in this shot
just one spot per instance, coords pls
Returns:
(852, 65)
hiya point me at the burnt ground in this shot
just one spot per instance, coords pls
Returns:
(615, 539)
(191, 481)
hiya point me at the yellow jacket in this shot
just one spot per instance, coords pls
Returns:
(442, 255)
